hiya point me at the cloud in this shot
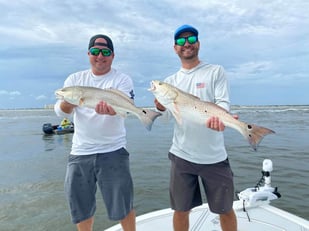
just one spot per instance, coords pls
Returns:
(41, 97)
(259, 43)
(10, 93)
(250, 70)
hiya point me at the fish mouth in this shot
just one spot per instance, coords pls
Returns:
(58, 94)
(152, 86)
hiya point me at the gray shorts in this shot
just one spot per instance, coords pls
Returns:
(111, 173)
(217, 180)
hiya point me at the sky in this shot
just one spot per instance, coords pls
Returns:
(263, 45)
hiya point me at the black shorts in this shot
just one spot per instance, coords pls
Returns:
(217, 180)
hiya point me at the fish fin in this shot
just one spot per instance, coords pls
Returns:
(176, 114)
(120, 93)
(81, 102)
(148, 116)
(120, 112)
(254, 134)
(187, 94)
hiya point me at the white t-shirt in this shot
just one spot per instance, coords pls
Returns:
(95, 133)
(191, 141)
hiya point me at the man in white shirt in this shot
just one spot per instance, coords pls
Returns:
(98, 156)
(198, 152)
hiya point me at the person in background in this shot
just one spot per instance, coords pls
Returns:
(197, 152)
(98, 156)
(65, 123)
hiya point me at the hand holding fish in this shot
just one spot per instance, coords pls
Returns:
(67, 107)
(104, 109)
(216, 124)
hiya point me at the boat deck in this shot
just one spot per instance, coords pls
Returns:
(263, 217)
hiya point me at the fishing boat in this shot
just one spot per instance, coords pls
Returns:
(49, 129)
(253, 212)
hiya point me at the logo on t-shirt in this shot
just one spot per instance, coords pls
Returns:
(200, 85)
(132, 94)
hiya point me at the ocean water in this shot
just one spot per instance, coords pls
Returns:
(32, 165)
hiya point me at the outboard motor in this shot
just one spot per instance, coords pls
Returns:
(48, 128)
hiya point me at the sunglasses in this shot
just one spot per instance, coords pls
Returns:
(182, 40)
(96, 51)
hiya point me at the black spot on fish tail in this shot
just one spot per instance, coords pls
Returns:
(148, 116)
(255, 134)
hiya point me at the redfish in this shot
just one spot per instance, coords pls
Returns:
(90, 96)
(185, 106)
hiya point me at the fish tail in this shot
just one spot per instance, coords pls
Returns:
(148, 117)
(254, 134)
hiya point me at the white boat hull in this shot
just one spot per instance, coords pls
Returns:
(261, 218)
(253, 212)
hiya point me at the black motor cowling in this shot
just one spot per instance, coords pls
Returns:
(48, 128)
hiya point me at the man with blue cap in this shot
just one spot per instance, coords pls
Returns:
(198, 153)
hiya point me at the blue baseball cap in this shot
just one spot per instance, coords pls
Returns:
(185, 28)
